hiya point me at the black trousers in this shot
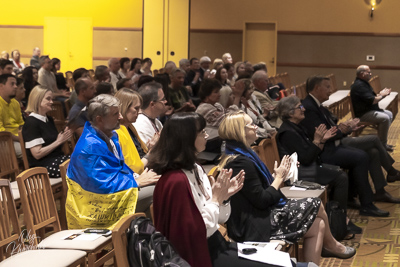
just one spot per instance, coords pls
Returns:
(357, 162)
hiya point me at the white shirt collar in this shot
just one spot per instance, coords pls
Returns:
(316, 100)
(39, 117)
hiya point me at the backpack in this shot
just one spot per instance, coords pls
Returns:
(337, 220)
(149, 248)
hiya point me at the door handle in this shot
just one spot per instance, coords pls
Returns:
(172, 53)
(158, 53)
(273, 60)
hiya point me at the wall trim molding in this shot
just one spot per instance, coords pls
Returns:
(334, 66)
(373, 34)
(215, 31)
(21, 27)
(117, 29)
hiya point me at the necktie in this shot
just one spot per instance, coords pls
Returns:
(327, 116)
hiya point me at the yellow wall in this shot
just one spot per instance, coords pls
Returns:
(124, 17)
(105, 13)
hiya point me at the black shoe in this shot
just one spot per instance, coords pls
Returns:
(386, 197)
(393, 178)
(389, 148)
(350, 252)
(353, 204)
(372, 210)
(353, 229)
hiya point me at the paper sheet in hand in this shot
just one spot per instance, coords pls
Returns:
(266, 255)
(293, 171)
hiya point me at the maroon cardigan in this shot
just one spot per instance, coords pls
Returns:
(177, 217)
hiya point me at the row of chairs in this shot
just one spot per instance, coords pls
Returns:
(40, 213)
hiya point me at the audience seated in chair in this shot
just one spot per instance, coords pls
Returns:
(261, 85)
(358, 154)
(147, 123)
(35, 58)
(292, 137)
(10, 110)
(259, 209)
(43, 143)
(48, 79)
(214, 112)
(365, 103)
(187, 208)
(97, 169)
(134, 149)
(177, 95)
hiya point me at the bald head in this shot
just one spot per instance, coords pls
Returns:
(363, 72)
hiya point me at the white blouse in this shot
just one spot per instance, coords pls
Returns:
(210, 211)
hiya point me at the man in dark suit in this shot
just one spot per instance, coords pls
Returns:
(358, 154)
(365, 104)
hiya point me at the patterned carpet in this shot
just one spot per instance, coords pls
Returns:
(379, 244)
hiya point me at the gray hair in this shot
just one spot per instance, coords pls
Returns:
(175, 71)
(183, 61)
(258, 75)
(100, 106)
(286, 105)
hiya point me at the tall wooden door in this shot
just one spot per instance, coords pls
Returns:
(70, 40)
(165, 31)
(260, 44)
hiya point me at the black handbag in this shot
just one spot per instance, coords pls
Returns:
(337, 220)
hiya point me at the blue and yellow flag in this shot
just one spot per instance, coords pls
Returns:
(101, 187)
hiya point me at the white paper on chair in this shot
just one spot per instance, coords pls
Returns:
(266, 255)
(82, 237)
(293, 171)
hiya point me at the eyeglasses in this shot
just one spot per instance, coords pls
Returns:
(301, 107)
(251, 125)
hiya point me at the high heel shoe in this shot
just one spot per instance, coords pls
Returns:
(349, 252)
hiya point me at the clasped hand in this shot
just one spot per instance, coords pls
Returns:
(224, 187)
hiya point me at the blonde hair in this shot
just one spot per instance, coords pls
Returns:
(36, 97)
(232, 128)
(127, 97)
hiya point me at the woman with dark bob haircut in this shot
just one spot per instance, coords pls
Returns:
(187, 207)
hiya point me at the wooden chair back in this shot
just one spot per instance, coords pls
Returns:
(120, 241)
(301, 91)
(57, 111)
(8, 159)
(10, 229)
(63, 172)
(375, 83)
(285, 79)
(268, 152)
(68, 146)
(37, 201)
(68, 105)
(24, 155)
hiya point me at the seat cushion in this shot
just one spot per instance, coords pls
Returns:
(44, 258)
(57, 241)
